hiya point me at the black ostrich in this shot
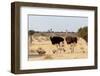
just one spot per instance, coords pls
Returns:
(56, 40)
(72, 41)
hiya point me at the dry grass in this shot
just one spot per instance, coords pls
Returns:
(52, 52)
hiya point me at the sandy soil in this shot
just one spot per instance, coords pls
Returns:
(74, 51)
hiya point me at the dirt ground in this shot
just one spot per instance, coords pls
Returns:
(49, 51)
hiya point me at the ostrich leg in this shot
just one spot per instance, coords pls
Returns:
(72, 48)
(62, 45)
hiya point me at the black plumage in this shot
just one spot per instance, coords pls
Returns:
(56, 40)
(70, 40)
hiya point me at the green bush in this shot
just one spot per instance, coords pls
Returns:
(83, 32)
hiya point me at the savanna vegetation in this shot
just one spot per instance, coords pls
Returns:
(41, 47)
(83, 33)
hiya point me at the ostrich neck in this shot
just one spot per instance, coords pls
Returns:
(50, 37)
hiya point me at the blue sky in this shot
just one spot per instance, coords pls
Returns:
(56, 23)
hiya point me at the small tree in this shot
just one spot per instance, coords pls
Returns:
(83, 32)
(30, 33)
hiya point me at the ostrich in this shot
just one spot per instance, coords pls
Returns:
(71, 40)
(56, 40)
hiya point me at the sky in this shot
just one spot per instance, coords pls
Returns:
(44, 23)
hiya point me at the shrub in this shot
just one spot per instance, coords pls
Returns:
(83, 32)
